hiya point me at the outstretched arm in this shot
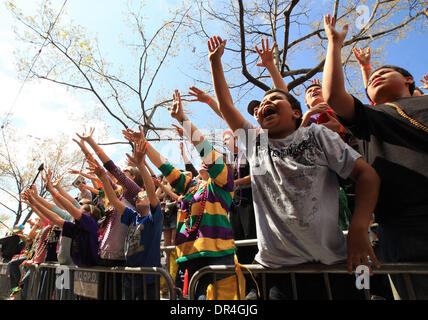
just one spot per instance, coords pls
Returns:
(267, 61)
(94, 179)
(177, 179)
(363, 58)
(57, 185)
(204, 97)
(76, 214)
(166, 190)
(131, 188)
(50, 215)
(42, 217)
(333, 88)
(99, 171)
(231, 115)
(138, 159)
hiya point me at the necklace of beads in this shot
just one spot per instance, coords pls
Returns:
(41, 250)
(201, 210)
(237, 166)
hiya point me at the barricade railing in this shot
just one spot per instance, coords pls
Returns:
(62, 282)
(4, 280)
(404, 269)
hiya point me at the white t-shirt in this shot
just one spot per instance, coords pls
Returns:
(296, 195)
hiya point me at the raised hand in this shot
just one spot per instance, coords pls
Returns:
(331, 32)
(57, 182)
(176, 110)
(156, 182)
(29, 196)
(425, 82)
(80, 143)
(266, 55)
(133, 136)
(138, 158)
(179, 130)
(86, 136)
(47, 179)
(316, 81)
(362, 56)
(199, 95)
(216, 47)
(95, 168)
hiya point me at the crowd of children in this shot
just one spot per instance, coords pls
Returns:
(282, 182)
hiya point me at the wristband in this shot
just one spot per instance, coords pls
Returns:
(56, 195)
(146, 145)
(99, 151)
(209, 101)
(366, 67)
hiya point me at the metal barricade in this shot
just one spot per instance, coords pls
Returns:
(62, 282)
(405, 269)
(4, 281)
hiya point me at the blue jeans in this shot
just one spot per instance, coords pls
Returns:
(400, 243)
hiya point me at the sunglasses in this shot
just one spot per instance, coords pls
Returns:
(141, 197)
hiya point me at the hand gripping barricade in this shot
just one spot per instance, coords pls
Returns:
(407, 270)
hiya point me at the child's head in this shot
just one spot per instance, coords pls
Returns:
(92, 211)
(134, 174)
(142, 203)
(229, 141)
(388, 83)
(418, 92)
(313, 95)
(279, 113)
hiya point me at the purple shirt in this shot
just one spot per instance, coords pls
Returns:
(84, 245)
(131, 188)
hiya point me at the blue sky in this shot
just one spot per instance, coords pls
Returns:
(106, 19)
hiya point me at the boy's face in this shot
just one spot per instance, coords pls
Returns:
(142, 201)
(387, 83)
(276, 115)
(313, 96)
(229, 142)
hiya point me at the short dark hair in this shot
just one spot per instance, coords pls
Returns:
(252, 105)
(403, 71)
(93, 211)
(313, 85)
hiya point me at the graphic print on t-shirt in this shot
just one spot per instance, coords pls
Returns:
(133, 239)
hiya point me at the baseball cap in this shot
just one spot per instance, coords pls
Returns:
(253, 104)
